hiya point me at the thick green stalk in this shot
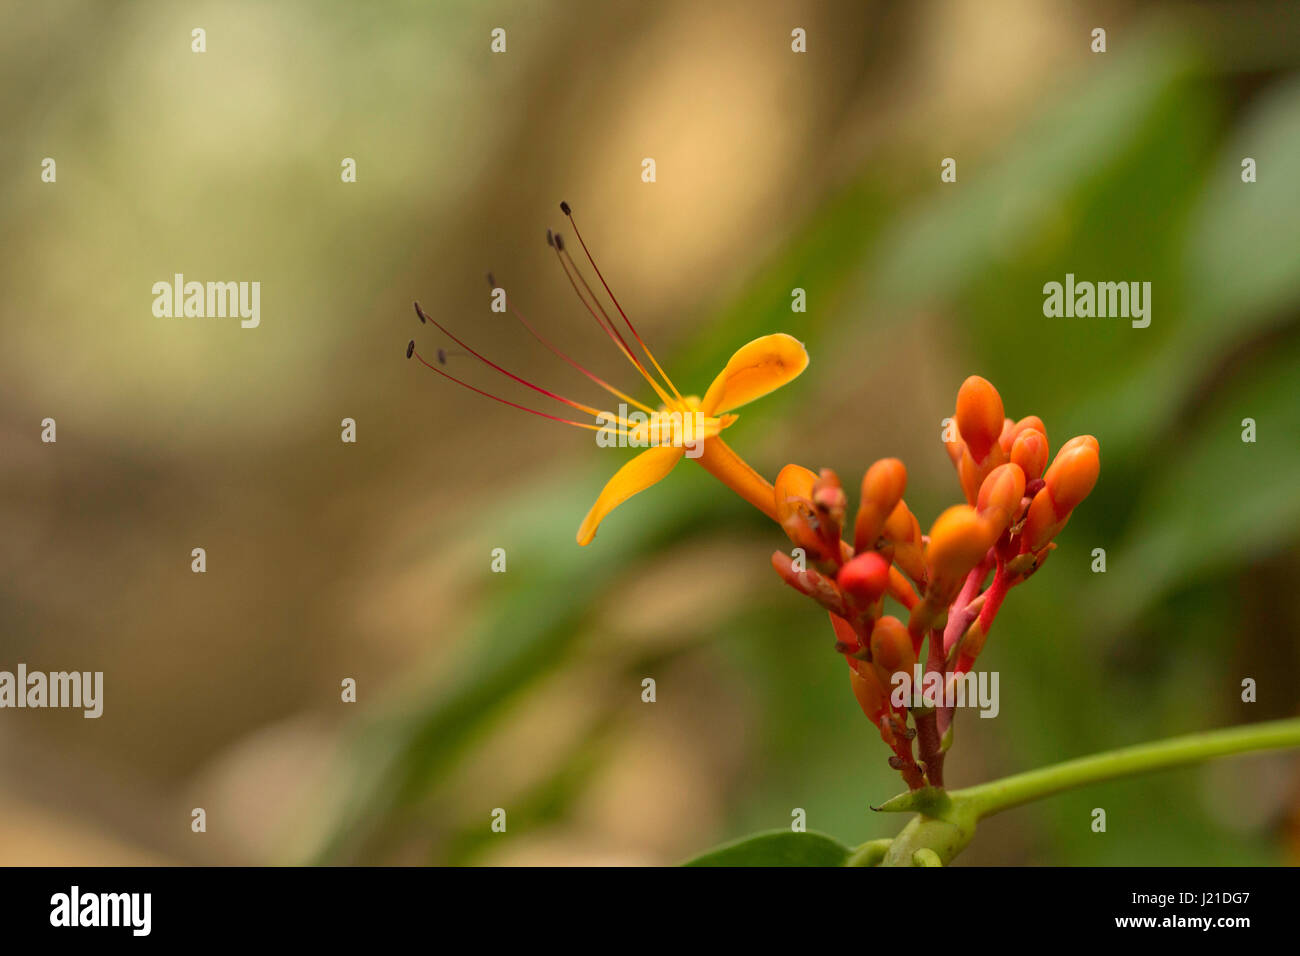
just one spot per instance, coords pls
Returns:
(945, 821)
(990, 798)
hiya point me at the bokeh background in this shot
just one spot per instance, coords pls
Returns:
(775, 170)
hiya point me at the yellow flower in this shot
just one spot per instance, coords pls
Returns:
(682, 425)
(761, 366)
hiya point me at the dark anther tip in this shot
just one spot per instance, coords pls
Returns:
(491, 280)
(550, 239)
(410, 348)
(564, 208)
(559, 242)
(419, 312)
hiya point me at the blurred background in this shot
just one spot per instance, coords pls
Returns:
(774, 171)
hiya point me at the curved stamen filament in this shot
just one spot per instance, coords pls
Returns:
(425, 317)
(601, 317)
(603, 320)
(595, 378)
(564, 207)
(524, 408)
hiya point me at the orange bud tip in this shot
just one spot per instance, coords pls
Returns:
(882, 489)
(891, 645)
(1029, 451)
(1073, 473)
(959, 538)
(999, 497)
(980, 418)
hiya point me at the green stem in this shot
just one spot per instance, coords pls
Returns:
(990, 798)
(870, 853)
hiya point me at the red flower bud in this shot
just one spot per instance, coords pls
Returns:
(846, 638)
(864, 579)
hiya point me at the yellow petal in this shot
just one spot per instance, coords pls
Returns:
(647, 468)
(762, 366)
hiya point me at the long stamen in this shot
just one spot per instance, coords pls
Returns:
(556, 242)
(595, 378)
(424, 317)
(602, 317)
(411, 351)
(564, 208)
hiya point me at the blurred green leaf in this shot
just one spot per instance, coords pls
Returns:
(777, 848)
(1217, 501)
(525, 632)
(1238, 268)
(1244, 248)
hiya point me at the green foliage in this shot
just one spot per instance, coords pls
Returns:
(777, 848)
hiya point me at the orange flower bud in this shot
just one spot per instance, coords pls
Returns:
(891, 647)
(903, 532)
(979, 416)
(1006, 435)
(1073, 473)
(1029, 451)
(956, 449)
(794, 486)
(1077, 441)
(999, 497)
(1016, 429)
(1068, 481)
(868, 690)
(971, 473)
(882, 489)
(794, 510)
(1041, 523)
(958, 540)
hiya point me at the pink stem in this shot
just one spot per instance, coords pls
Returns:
(960, 620)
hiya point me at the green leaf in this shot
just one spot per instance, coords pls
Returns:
(777, 848)
(1244, 245)
(1217, 502)
(529, 630)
